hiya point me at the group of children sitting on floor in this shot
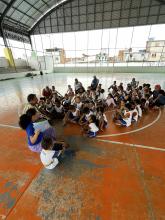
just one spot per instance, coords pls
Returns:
(86, 108)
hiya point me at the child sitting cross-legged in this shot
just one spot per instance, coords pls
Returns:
(119, 113)
(49, 106)
(59, 110)
(85, 116)
(126, 119)
(134, 112)
(51, 150)
(72, 116)
(91, 129)
(110, 101)
(102, 119)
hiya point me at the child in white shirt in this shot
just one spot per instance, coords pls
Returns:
(101, 96)
(70, 92)
(134, 115)
(72, 116)
(78, 104)
(50, 152)
(110, 101)
(102, 119)
(85, 116)
(126, 119)
(59, 110)
(91, 129)
(138, 107)
(49, 106)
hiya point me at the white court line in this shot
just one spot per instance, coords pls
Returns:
(132, 145)
(9, 126)
(136, 130)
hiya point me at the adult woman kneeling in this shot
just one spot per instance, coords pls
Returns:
(34, 136)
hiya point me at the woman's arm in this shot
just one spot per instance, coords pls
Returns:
(34, 137)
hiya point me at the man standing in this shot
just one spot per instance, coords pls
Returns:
(94, 83)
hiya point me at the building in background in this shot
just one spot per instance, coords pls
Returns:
(137, 56)
(121, 55)
(155, 50)
(58, 54)
(101, 57)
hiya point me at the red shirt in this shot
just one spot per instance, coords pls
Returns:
(46, 93)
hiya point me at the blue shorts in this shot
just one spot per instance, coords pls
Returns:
(123, 122)
(92, 134)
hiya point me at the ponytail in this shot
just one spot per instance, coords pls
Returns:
(26, 119)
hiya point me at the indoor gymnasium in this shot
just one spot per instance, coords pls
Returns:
(82, 116)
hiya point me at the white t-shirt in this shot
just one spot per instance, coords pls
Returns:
(105, 118)
(27, 107)
(93, 127)
(79, 105)
(49, 107)
(129, 119)
(88, 115)
(47, 159)
(101, 96)
(147, 103)
(110, 101)
(139, 110)
(58, 109)
(78, 85)
(136, 116)
(75, 113)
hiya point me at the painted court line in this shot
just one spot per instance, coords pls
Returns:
(9, 126)
(136, 130)
(132, 145)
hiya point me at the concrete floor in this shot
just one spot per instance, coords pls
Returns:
(119, 175)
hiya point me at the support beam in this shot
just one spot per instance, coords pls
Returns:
(33, 6)
(43, 16)
(45, 3)
(15, 22)
(9, 57)
(4, 2)
(30, 42)
(16, 9)
(3, 36)
(6, 10)
(161, 1)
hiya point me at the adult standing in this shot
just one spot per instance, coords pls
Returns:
(94, 83)
(134, 83)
